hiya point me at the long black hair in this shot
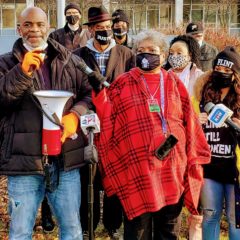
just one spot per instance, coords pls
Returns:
(193, 48)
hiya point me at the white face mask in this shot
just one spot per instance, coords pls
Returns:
(178, 61)
(30, 48)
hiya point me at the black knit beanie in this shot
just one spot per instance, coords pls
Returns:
(230, 58)
(120, 15)
(72, 5)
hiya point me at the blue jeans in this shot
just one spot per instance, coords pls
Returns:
(26, 194)
(212, 199)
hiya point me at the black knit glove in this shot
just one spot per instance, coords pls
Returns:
(95, 79)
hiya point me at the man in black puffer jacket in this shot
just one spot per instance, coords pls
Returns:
(23, 71)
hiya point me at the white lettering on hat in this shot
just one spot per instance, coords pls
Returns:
(224, 63)
(194, 27)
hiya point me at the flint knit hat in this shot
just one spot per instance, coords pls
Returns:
(97, 14)
(72, 5)
(194, 28)
(230, 58)
(120, 15)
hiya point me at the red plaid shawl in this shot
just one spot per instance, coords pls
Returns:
(130, 134)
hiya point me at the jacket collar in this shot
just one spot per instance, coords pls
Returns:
(67, 29)
(91, 46)
(199, 84)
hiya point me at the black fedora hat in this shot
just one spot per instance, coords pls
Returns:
(97, 14)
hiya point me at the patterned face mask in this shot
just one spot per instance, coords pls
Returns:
(147, 61)
(178, 61)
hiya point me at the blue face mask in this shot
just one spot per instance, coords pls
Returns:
(147, 61)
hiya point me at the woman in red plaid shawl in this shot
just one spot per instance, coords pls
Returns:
(138, 113)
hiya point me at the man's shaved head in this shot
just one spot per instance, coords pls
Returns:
(32, 11)
(33, 26)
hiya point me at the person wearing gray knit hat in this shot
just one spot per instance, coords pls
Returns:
(120, 28)
(72, 35)
(73, 15)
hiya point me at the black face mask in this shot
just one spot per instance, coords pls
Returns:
(72, 19)
(147, 61)
(221, 80)
(103, 37)
(120, 32)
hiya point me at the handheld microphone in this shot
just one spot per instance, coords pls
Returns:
(219, 114)
(84, 68)
(90, 122)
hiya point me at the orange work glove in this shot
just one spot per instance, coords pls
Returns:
(31, 61)
(70, 124)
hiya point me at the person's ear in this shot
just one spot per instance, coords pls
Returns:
(91, 30)
(19, 29)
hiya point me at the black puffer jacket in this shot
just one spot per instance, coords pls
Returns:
(21, 121)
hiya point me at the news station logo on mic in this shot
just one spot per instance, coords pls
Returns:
(217, 117)
(90, 121)
(219, 113)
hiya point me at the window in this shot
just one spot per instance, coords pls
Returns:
(8, 15)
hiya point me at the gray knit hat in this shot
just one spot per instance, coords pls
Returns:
(72, 5)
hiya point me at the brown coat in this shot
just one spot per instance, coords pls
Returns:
(71, 40)
(121, 60)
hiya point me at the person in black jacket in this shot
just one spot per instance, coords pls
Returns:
(120, 28)
(72, 35)
(37, 64)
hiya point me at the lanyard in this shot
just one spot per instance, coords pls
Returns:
(162, 101)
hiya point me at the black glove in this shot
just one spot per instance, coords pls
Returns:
(90, 154)
(95, 79)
